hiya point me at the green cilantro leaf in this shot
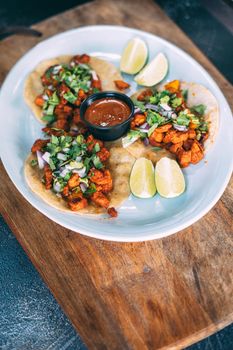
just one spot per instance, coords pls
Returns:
(70, 97)
(49, 118)
(164, 99)
(185, 94)
(176, 102)
(96, 148)
(183, 119)
(97, 163)
(199, 109)
(34, 162)
(139, 104)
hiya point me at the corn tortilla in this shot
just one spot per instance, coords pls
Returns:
(33, 87)
(120, 164)
(197, 94)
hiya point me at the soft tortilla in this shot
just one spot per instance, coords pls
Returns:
(197, 94)
(33, 87)
(138, 150)
(120, 165)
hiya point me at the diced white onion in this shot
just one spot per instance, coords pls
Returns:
(66, 150)
(57, 187)
(137, 110)
(64, 172)
(61, 156)
(180, 127)
(46, 156)
(78, 159)
(81, 172)
(83, 187)
(74, 165)
(41, 162)
(94, 75)
(45, 97)
(165, 106)
(56, 69)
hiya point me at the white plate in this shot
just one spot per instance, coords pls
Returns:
(138, 219)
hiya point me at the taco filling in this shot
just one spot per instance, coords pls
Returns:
(163, 120)
(65, 86)
(74, 169)
(56, 88)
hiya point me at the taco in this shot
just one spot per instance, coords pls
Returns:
(178, 120)
(57, 87)
(78, 174)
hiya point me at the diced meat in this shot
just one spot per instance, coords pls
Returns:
(48, 177)
(38, 145)
(112, 212)
(121, 85)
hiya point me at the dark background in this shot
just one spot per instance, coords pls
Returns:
(30, 318)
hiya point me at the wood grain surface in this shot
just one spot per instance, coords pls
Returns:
(163, 294)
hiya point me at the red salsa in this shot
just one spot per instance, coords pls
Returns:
(107, 112)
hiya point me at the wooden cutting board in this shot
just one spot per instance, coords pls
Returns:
(163, 294)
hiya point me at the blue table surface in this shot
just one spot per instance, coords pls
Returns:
(30, 317)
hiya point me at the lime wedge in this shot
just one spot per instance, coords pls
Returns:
(169, 178)
(142, 179)
(134, 56)
(153, 72)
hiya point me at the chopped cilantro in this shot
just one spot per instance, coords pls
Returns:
(183, 119)
(195, 120)
(50, 109)
(52, 164)
(90, 190)
(151, 130)
(54, 99)
(87, 163)
(154, 99)
(67, 177)
(185, 94)
(204, 126)
(97, 163)
(164, 99)
(70, 97)
(80, 139)
(176, 102)
(154, 118)
(54, 140)
(34, 162)
(199, 109)
(49, 72)
(96, 148)
(139, 104)
(156, 148)
(49, 118)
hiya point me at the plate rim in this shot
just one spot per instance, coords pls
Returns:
(148, 235)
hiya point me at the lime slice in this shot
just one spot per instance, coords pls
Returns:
(142, 179)
(154, 72)
(169, 178)
(134, 56)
